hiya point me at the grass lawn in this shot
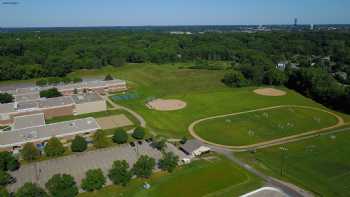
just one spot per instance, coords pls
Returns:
(321, 164)
(201, 89)
(255, 127)
(219, 177)
(94, 115)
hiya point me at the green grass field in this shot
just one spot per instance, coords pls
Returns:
(218, 177)
(201, 89)
(255, 127)
(321, 165)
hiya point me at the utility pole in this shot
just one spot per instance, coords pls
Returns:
(283, 159)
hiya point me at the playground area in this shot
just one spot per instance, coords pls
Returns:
(125, 96)
(116, 121)
(269, 92)
(166, 105)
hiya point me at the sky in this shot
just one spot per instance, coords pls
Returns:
(73, 13)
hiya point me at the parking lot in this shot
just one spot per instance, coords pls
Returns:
(77, 164)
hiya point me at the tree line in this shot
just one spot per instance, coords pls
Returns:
(25, 55)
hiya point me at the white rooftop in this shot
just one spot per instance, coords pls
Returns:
(45, 132)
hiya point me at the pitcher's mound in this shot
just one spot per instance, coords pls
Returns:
(269, 92)
(166, 105)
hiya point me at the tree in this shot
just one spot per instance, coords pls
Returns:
(159, 144)
(6, 98)
(120, 136)
(94, 180)
(78, 144)
(29, 152)
(108, 77)
(8, 161)
(62, 185)
(235, 79)
(31, 190)
(50, 93)
(100, 139)
(54, 148)
(168, 162)
(139, 133)
(144, 166)
(275, 77)
(4, 192)
(4, 178)
(120, 173)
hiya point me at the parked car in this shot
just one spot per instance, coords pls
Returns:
(132, 144)
(139, 142)
(12, 180)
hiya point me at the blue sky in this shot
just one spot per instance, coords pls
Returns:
(53, 13)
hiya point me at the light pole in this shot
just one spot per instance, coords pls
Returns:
(283, 158)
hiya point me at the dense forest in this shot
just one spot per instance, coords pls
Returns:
(316, 63)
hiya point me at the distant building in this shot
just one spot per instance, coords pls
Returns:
(282, 65)
(295, 22)
(194, 148)
(311, 27)
(53, 107)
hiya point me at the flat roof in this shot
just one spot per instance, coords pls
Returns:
(27, 97)
(86, 98)
(27, 105)
(45, 132)
(191, 145)
(27, 121)
(90, 84)
(55, 102)
(7, 108)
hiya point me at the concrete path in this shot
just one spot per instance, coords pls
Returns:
(269, 143)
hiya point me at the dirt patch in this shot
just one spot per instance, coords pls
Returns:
(269, 92)
(166, 105)
(116, 121)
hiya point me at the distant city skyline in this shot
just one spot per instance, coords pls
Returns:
(78, 13)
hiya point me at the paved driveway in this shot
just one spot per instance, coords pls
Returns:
(77, 164)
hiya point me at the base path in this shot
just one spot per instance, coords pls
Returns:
(269, 143)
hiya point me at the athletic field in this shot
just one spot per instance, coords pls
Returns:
(259, 126)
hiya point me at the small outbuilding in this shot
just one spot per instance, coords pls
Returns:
(194, 148)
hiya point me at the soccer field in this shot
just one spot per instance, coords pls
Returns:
(258, 126)
(216, 177)
(321, 165)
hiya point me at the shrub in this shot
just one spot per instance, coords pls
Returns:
(29, 152)
(78, 144)
(62, 185)
(4, 178)
(6, 98)
(235, 79)
(4, 192)
(120, 174)
(108, 77)
(31, 190)
(94, 180)
(54, 148)
(50, 93)
(120, 136)
(159, 144)
(139, 133)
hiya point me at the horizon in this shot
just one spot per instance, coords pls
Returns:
(136, 13)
